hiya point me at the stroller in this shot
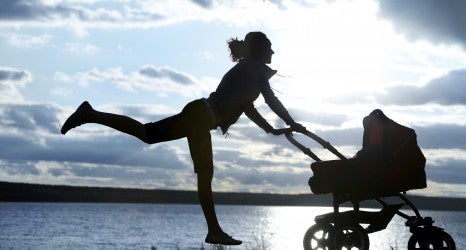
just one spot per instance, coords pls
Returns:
(389, 164)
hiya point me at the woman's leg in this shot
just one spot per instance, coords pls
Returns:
(200, 147)
(204, 192)
(86, 114)
(215, 234)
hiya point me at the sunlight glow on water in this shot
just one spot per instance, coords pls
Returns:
(142, 226)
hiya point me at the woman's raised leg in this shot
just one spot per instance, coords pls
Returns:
(86, 114)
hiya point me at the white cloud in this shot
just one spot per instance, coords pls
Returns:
(81, 49)
(26, 40)
(436, 189)
(160, 80)
(11, 82)
(60, 91)
(86, 174)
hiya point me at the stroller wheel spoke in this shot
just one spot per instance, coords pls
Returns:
(431, 240)
(349, 237)
(317, 237)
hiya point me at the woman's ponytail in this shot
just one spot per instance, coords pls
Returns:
(237, 49)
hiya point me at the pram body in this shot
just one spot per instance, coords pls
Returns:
(389, 164)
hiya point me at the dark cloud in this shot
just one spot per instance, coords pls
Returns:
(429, 137)
(111, 150)
(17, 9)
(18, 167)
(35, 10)
(447, 90)
(441, 136)
(39, 141)
(246, 170)
(436, 21)
(27, 10)
(28, 118)
(14, 75)
(120, 154)
(123, 173)
(250, 176)
(237, 158)
(447, 136)
(342, 137)
(204, 3)
(338, 137)
(178, 77)
(448, 171)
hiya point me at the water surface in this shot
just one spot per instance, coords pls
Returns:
(142, 226)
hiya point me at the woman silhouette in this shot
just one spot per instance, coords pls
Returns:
(235, 95)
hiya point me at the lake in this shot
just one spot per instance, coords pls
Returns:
(163, 226)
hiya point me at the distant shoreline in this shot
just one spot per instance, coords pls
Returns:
(23, 192)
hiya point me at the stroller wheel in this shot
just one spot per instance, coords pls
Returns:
(434, 240)
(317, 237)
(349, 236)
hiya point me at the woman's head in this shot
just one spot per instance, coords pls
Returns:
(255, 45)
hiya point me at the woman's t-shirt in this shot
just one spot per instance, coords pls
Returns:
(238, 90)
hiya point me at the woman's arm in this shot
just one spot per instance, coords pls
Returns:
(251, 112)
(277, 107)
(258, 119)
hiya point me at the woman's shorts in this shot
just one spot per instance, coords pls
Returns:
(194, 122)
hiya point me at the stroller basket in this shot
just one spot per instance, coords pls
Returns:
(390, 161)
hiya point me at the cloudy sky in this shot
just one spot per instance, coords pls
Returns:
(336, 60)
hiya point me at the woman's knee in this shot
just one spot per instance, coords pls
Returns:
(144, 135)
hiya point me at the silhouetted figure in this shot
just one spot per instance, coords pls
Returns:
(235, 95)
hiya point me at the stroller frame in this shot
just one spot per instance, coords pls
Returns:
(343, 230)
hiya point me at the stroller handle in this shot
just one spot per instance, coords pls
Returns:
(316, 138)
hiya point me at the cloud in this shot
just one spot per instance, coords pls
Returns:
(81, 49)
(160, 80)
(118, 150)
(32, 148)
(10, 74)
(450, 171)
(12, 9)
(446, 90)
(11, 82)
(439, 22)
(26, 10)
(31, 133)
(204, 3)
(446, 165)
(84, 174)
(166, 72)
(79, 16)
(442, 136)
(28, 117)
(26, 40)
